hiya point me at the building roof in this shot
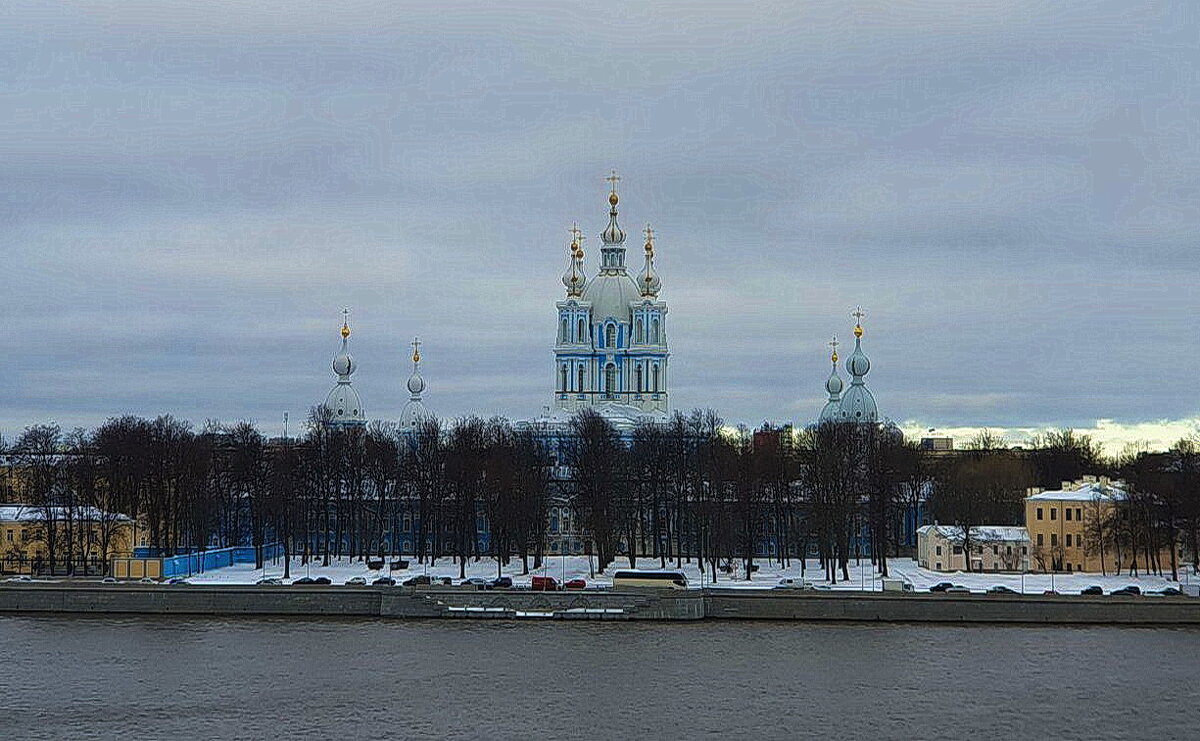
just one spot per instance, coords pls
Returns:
(1088, 492)
(29, 513)
(979, 533)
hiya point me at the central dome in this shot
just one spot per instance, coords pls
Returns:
(610, 295)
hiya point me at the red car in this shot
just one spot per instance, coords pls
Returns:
(544, 584)
(575, 584)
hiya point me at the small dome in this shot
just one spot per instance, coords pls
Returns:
(858, 364)
(343, 364)
(344, 405)
(416, 384)
(834, 385)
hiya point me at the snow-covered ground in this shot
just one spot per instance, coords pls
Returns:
(862, 576)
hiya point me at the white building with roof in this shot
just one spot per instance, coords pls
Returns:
(992, 548)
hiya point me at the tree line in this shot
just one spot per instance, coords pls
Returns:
(688, 490)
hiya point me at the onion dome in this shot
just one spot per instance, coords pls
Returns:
(613, 234)
(574, 279)
(343, 403)
(414, 411)
(834, 386)
(648, 280)
(858, 405)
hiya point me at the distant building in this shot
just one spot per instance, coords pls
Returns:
(95, 537)
(937, 444)
(343, 407)
(858, 403)
(992, 548)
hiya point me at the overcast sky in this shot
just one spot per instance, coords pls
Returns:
(191, 192)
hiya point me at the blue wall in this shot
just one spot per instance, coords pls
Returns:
(193, 563)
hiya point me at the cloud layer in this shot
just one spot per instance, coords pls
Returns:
(192, 191)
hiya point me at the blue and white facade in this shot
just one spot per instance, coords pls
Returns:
(611, 350)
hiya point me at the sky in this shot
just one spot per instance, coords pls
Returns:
(191, 192)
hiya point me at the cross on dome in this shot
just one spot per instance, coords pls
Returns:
(834, 344)
(416, 346)
(345, 322)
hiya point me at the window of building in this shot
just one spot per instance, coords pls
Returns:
(1039, 539)
(10, 536)
(1068, 536)
(637, 372)
(939, 552)
(938, 566)
(1025, 549)
(1079, 514)
(1068, 568)
(1067, 513)
(581, 336)
(957, 550)
(563, 378)
(610, 336)
(610, 379)
(654, 374)
(1053, 513)
(654, 331)
(1053, 539)
(1008, 549)
(1039, 513)
(566, 330)
(580, 386)
(639, 334)
(995, 550)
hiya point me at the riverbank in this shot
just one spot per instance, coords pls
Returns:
(598, 604)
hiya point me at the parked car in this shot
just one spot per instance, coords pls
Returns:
(303, 581)
(147, 580)
(384, 581)
(178, 580)
(543, 584)
(22, 578)
(269, 581)
(1051, 592)
(941, 586)
(575, 584)
(1092, 590)
(956, 589)
(789, 583)
(474, 581)
(1171, 592)
(503, 582)
(445, 581)
(420, 580)
(323, 580)
(356, 581)
(398, 565)
(1001, 589)
(375, 564)
(1126, 591)
(109, 580)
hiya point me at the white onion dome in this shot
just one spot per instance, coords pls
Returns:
(832, 408)
(858, 364)
(858, 405)
(416, 384)
(414, 411)
(343, 362)
(834, 385)
(648, 281)
(613, 233)
(574, 279)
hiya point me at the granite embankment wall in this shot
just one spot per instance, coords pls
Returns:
(399, 602)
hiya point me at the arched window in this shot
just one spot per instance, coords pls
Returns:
(610, 379)
(655, 377)
(580, 386)
(654, 331)
(563, 378)
(610, 335)
(638, 334)
(583, 333)
(637, 372)
(566, 330)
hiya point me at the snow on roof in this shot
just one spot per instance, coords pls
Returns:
(29, 513)
(1088, 492)
(979, 533)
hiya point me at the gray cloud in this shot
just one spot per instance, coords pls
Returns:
(192, 191)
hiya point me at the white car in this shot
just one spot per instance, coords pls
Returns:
(356, 581)
(21, 578)
(147, 580)
(801, 584)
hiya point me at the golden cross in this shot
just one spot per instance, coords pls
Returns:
(858, 315)
(613, 179)
(416, 346)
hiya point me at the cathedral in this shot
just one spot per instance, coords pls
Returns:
(858, 405)
(611, 351)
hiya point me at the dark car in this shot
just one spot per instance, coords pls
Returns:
(503, 582)
(322, 580)
(575, 584)
(304, 580)
(420, 580)
(544, 584)
(1001, 589)
(1171, 592)
(1092, 590)
(1128, 591)
(384, 581)
(941, 587)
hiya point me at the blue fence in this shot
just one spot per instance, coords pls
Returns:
(193, 563)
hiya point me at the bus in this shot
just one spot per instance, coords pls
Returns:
(652, 579)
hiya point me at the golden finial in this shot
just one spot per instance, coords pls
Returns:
(858, 315)
(613, 179)
(575, 234)
(345, 323)
(834, 344)
(416, 345)
(649, 231)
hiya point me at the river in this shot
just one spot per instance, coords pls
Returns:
(156, 678)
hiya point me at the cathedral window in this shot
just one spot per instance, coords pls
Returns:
(638, 333)
(654, 375)
(582, 336)
(563, 377)
(610, 379)
(566, 331)
(654, 331)
(638, 374)
(610, 336)
(580, 387)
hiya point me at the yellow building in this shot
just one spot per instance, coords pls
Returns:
(1069, 528)
(992, 548)
(86, 538)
